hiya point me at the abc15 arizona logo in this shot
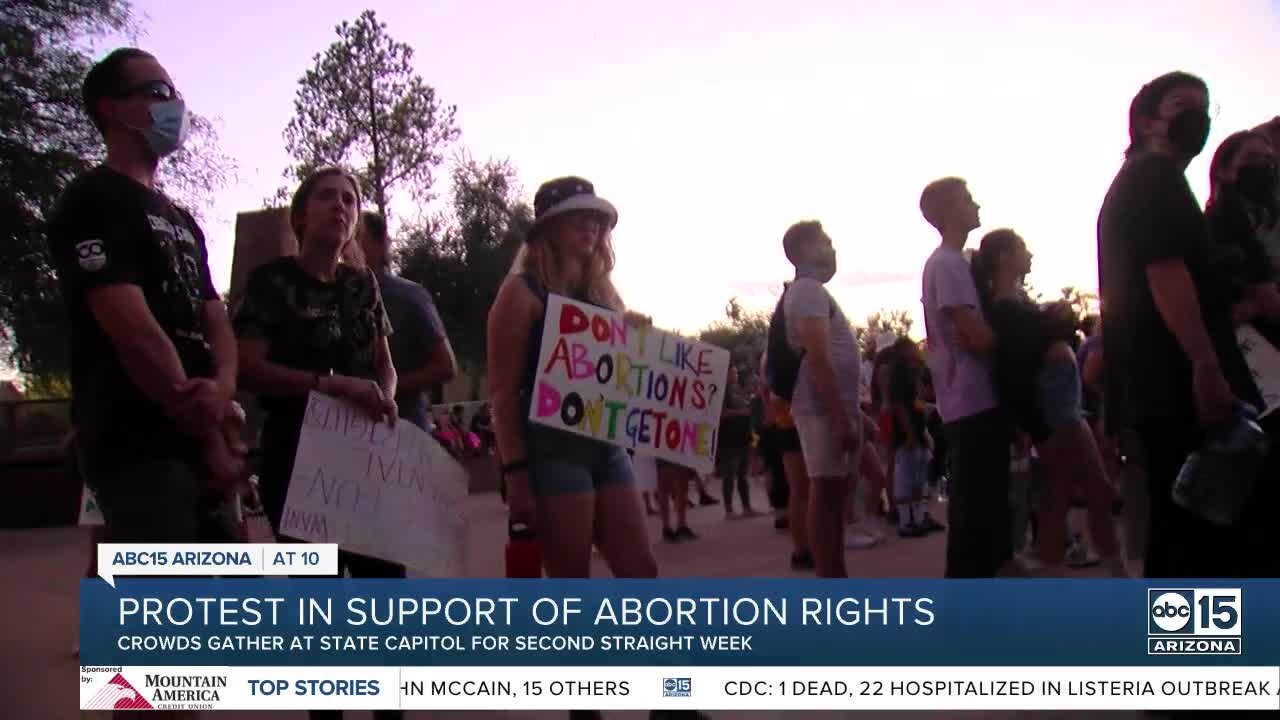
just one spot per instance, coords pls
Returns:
(1194, 621)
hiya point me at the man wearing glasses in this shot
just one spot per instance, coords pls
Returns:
(153, 356)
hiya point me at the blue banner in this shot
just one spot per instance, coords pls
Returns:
(766, 622)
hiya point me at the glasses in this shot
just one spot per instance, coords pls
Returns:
(152, 90)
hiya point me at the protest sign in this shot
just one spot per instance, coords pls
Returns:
(387, 492)
(640, 388)
(90, 513)
(1264, 364)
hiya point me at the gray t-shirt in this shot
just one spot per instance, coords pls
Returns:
(417, 325)
(807, 298)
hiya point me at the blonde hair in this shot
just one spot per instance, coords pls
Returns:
(540, 257)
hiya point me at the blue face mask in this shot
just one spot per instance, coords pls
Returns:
(170, 124)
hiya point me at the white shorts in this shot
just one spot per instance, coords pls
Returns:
(823, 456)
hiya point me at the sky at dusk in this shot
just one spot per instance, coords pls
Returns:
(714, 125)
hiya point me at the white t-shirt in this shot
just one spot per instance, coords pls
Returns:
(807, 298)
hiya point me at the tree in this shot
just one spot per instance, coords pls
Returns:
(362, 105)
(46, 139)
(897, 322)
(744, 334)
(463, 259)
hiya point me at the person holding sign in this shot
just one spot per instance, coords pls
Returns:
(574, 490)
(315, 322)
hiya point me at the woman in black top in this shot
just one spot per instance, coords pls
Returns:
(1242, 207)
(1038, 381)
(315, 321)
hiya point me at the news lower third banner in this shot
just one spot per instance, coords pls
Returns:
(723, 644)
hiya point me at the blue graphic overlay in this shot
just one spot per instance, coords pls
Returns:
(399, 623)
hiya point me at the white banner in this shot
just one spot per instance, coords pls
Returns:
(738, 689)
(387, 492)
(639, 388)
(1264, 364)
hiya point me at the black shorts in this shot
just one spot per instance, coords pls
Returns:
(788, 440)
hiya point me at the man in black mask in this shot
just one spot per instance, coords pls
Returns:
(1173, 367)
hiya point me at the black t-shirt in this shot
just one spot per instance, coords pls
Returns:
(1150, 216)
(313, 325)
(904, 384)
(108, 229)
(735, 432)
(1237, 253)
(1024, 331)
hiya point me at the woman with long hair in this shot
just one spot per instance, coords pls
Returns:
(315, 322)
(576, 491)
(1038, 381)
(1242, 209)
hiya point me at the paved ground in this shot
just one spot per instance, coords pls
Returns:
(38, 608)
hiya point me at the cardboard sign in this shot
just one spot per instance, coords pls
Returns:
(1264, 364)
(90, 513)
(639, 388)
(390, 493)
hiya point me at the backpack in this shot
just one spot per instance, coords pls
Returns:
(782, 366)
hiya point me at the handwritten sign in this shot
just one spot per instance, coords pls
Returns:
(90, 513)
(390, 493)
(639, 388)
(1264, 364)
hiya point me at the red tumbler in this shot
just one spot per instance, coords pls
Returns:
(524, 555)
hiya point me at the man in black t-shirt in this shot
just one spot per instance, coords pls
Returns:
(153, 357)
(1172, 365)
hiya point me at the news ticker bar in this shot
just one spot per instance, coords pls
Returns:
(703, 688)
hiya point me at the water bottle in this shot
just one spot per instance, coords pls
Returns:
(524, 555)
(1217, 480)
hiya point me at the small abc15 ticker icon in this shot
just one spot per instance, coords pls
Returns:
(1185, 613)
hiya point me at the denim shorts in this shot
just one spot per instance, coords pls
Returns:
(1058, 394)
(561, 463)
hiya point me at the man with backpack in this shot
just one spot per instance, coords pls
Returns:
(814, 362)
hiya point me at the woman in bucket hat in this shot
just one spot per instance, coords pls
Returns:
(576, 491)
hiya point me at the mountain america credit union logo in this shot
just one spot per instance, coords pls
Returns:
(1194, 621)
(117, 694)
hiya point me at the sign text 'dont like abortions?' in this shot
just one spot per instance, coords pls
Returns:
(639, 388)
(387, 492)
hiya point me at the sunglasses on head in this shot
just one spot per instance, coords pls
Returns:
(152, 89)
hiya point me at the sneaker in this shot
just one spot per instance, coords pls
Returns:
(1028, 562)
(669, 535)
(708, 500)
(856, 539)
(684, 533)
(929, 525)
(802, 560)
(1080, 555)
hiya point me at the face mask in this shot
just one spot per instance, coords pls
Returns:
(170, 124)
(1256, 182)
(1188, 131)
